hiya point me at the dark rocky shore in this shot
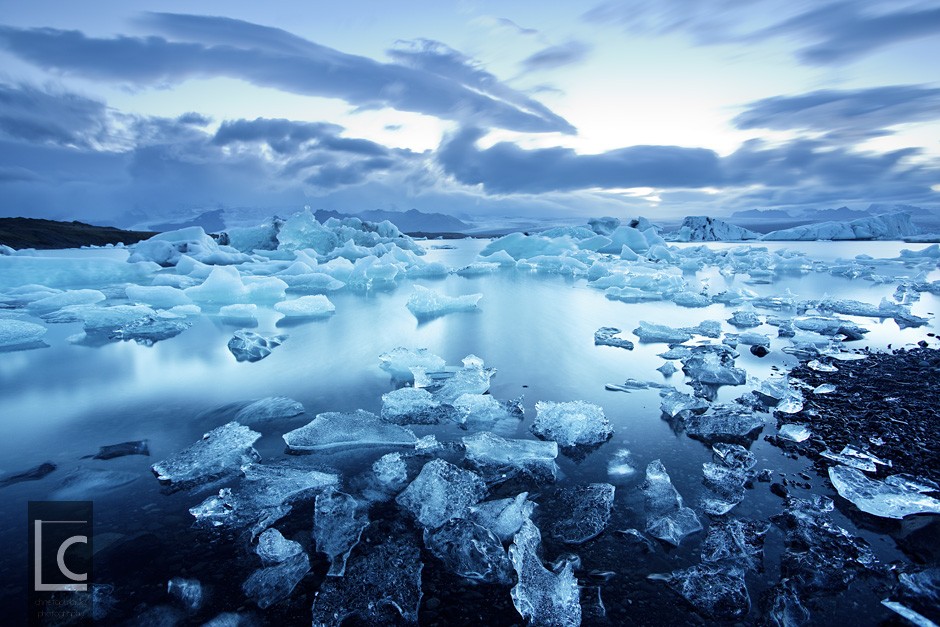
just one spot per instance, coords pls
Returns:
(21, 233)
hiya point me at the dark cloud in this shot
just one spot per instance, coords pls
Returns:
(847, 114)
(196, 119)
(506, 168)
(65, 119)
(827, 32)
(435, 81)
(557, 56)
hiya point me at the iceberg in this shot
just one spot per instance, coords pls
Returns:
(332, 431)
(381, 577)
(705, 229)
(667, 518)
(500, 459)
(71, 271)
(399, 362)
(166, 249)
(338, 524)
(312, 306)
(223, 286)
(65, 299)
(426, 304)
(250, 346)
(469, 550)
(441, 491)
(571, 424)
(18, 333)
(880, 498)
(584, 512)
(220, 452)
(607, 336)
(541, 596)
(886, 226)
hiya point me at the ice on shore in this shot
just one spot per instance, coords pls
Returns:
(381, 577)
(399, 362)
(333, 431)
(15, 333)
(504, 517)
(188, 592)
(409, 406)
(425, 303)
(250, 346)
(501, 458)
(220, 452)
(541, 596)
(441, 491)
(338, 523)
(718, 593)
(722, 422)
(582, 512)
(667, 518)
(880, 498)
(469, 550)
(269, 585)
(571, 424)
(274, 548)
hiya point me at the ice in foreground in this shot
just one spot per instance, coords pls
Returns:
(886, 499)
(20, 333)
(314, 306)
(469, 550)
(441, 491)
(716, 592)
(250, 346)
(571, 424)
(584, 512)
(541, 596)
(337, 526)
(335, 430)
(501, 458)
(380, 577)
(271, 584)
(220, 452)
(504, 517)
(426, 304)
(667, 518)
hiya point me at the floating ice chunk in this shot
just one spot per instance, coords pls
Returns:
(713, 365)
(167, 248)
(85, 483)
(380, 577)
(112, 451)
(426, 304)
(220, 452)
(500, 458)
(676, 404)
(880, 498)
(541, 596)
(441, 491)
(187, 591)
(311, 282)
(267, 586)
(478, 268)
(521, 246)
(794, 432)
(247, 312)
(274, 548)
(691, 299)
(574, 423)
(722, 422)
(159, 296)
(147, 329)
(705, 229)
(715, 592)
(500, 256)
(830, 327)
(735, 543)
(649, 333)
(33, 474)
(469, 550)
(667, 518)
(851, 456)
(504, 517)
(583, 512)
(733, 456)
(250, 346)
(338, 524)
(604, 225)
(334, 431)
(448, 385)
(18, 333)
(312, 306)
(621, 464)
(668, 369)
(64, 299)
(606, 336)
(725, 488)
(265, 288)
(483, 409)
(71, 271)
(391, 472)
(400, 361)
(251, 238)
(223, 285)
(408, 405)
(269, 409)
(744, 319)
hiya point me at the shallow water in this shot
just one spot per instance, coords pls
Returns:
(62, 402)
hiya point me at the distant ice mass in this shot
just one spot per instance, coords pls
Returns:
(887, 226)
(705, 229)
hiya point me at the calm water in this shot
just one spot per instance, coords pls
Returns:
(62, 402)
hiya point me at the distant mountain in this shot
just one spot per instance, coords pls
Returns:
(210, 221)
(761, 214)
(412, 221)
(45, 234)
(842, 214)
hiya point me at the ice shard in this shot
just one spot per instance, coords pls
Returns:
(338, 523)
(541, 596)
(469, 550)
(441, 491)
(333, 431)
(880, 498)
(220, 452)
(504, 517)
(250, 346)
(667, 518)
(582, 512)
(571, 424)
(500, 458)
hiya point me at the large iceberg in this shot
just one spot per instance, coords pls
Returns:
(167, 248)
(887, 226)
(705, 229)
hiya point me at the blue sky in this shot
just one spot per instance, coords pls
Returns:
(128, 112)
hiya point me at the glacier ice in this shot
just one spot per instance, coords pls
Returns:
(399, 362)
(425, 303)
(469, 550)
(240, 312)
(651, 333)
(880, 498)
(504, 517)
(705, 229)
(223, 286)
(311, 306)
(274, 548)
(380, 577)
(621, 464)
(722, 422)
(19, 333)
(188, 592)
(410, 405)
(667, 518)
(570, 424)
(676, 404)
(335, 430)
(71, 271)
(607, 336)
(713, 364)
(250, 346)
(167, 248)
(500, 458)
(718, 593)
(886, 226)
(269, 585)
(64, 299)
(391, 472)
(338, 523)
(733, 542)
(219, 453)
(541, 596)
(475, 410)
(724, 488)
(744, 319)
(269, 409)
(450, 384)
(582, 512)
(856, 458)
(441, 491)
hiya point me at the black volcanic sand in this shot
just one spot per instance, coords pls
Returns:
(47, 234)
(886, 403)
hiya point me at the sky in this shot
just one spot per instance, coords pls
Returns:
(137, 112)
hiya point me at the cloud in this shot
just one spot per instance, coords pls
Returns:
(828, 32)
(508, 23)
(506, 168)
(557, 56)
(435, 82)
(63, 119)
(847, 114)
